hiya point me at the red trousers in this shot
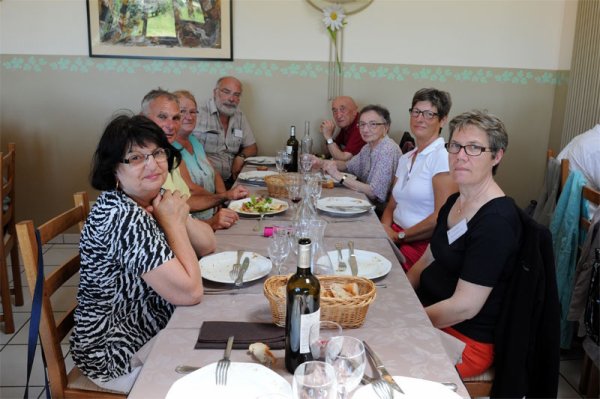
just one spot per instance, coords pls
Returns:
(477, 356)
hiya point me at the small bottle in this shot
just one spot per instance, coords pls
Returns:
(306, 144)
(292, 150)
(303, 309)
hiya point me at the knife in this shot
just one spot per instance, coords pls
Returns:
(350, 208)
(352, 259)
(381, 368)
(240, 278)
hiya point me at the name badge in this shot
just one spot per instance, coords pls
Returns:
(238, 133)
(457, 231)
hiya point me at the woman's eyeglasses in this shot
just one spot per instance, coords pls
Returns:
(137, 158)
(191, 112)
(415, 112)
(470, 149)
(370, 125)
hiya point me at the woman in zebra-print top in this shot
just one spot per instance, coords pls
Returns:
(139, 253)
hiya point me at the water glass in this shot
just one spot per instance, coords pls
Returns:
(314, 380)
(315, 187)
(347, 356)
(319, 336)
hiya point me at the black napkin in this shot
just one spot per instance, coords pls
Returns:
(214, 334)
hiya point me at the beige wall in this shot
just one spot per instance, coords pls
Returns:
(55, 101)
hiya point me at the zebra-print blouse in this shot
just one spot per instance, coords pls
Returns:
(117, 311)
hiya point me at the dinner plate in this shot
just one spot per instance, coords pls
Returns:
(370, 264)
(282, 206)
(244, 380)
(413, 388)
(216, 267)
(255, 177)
(260, 160)
(344, 206)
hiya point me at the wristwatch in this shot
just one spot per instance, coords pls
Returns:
(401, 235)
(343, 178)
(242, 155)
(329, 141)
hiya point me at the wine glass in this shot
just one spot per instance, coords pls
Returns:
(314, 380)
(279, 247)
(294, 186)
(347, 356)
(306, 161)
(315, 187)
(280, 160)
(319, 335)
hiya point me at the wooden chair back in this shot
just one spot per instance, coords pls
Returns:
(8, 239)
(53, 331)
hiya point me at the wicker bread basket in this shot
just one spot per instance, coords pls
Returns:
(276, 184)
(349, 313)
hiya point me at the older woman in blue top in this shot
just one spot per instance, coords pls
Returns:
(375, 164)
(199, 174)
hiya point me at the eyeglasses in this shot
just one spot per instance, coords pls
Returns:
(470, 149)
(371, 125)
(415, 112)
(191, 112)
(137, 158)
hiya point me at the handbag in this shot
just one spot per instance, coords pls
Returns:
(592, 307)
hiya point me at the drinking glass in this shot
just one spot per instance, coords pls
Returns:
(306, 161)
(315, 187)
(294, 186)
(314, 380)
(347, 356)
(319, 336)
(279, 247)
(280, 160)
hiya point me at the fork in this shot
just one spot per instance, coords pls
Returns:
(223, 364)
(382, 389)
(341, 264)
(236, 266)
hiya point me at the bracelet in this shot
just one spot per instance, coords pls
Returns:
(329, 141)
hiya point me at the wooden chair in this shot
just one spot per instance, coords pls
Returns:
(8, 240)
(62, 385)
(480, 385)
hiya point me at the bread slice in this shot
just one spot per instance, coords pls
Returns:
(344, 291)
(262, 353)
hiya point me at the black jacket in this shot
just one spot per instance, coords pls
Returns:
(527, 337)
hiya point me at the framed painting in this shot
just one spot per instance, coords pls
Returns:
(162, 29)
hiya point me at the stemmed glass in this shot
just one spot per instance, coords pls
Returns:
(294, 186)
(347, 356)
(306, 161)
(279, 247)
(280, 160)
(314, 380)
(319, 336)
(315, 187)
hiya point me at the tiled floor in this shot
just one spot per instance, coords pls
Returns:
(13, 347)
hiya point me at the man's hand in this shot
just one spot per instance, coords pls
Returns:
(327, 128)
(237, 192)
(224, 219)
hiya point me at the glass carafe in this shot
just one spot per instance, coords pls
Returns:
(321, 263)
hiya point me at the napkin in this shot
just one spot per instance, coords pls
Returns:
(214, 334)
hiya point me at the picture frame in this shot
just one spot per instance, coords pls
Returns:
(161, 29)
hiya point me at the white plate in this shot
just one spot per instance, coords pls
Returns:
(260, 160)
(370, 264)
(256, 176)
(413, 388)
(329, 204)
(237, 206)
(216, 267)
(244, 380)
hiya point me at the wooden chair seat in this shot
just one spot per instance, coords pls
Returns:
(480, 385)
(52, 331)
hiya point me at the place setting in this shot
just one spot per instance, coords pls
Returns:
(233, 268)
(348, 261)
(344, 206)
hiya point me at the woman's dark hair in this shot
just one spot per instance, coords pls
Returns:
(120, 135)
(379, 110)
(438, 98)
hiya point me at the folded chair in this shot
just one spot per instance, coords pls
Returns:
(8, 240)
(51, 333)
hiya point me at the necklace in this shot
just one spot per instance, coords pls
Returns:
(459, 210)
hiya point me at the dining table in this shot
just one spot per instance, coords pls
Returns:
(396, 325)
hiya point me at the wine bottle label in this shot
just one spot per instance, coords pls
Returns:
(306, 322)
(289, 149)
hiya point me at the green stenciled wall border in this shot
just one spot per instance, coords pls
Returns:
(354, 71)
